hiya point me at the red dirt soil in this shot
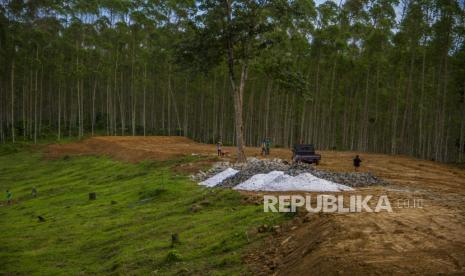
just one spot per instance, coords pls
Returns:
(426, 240)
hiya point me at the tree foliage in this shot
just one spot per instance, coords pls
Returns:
(374, 75)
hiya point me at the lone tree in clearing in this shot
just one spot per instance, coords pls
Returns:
(235, 30)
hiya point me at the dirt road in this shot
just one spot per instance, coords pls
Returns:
(409, 240)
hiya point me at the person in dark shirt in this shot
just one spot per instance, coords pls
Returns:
(357, 162)
(267, 146)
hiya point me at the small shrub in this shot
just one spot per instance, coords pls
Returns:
(173, 256)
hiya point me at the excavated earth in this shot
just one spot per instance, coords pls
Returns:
(427, 240)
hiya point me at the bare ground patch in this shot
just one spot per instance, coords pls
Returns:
(427, 240)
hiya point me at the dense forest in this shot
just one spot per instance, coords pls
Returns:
(369, 75)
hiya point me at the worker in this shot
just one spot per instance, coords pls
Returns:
(268, 145)
(9, 196)
(34, 192)
(218, 147)
(357, 162)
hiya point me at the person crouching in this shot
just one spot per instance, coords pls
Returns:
(357, 162)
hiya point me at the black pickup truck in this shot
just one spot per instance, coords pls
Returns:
(305, 153)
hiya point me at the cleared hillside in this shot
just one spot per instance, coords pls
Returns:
(410, 240)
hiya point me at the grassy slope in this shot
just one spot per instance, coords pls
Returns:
(132, 236)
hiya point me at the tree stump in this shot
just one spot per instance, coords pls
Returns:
(174, 239)
(92, 196)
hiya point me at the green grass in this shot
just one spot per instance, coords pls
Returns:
(132, 234)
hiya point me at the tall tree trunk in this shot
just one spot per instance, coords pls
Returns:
(13, 101)
(420, 119)
(267, 111)
(59, 111)
(41, 98)
(302, 120)
(2, 135)
(462, 129)
(238, 91)
(408, 100)
(394, 121)
(238, 107)
(170, 90)
(24, 111)
(122, 105)
(93, 105)
(185, 115)
(376, 123)
(363, 136)
(168, 113)
(144, 101)
(108, 106)
(78, 87)
(35, 98)
(330, 140)
(133, 94)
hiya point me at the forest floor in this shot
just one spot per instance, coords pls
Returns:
(409, 240)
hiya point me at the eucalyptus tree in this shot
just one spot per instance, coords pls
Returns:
(234, 32)
(234, 29)
(343, 75)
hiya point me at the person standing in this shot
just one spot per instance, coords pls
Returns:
(218, 147)
(267, 146)
(263, 148)
(357, 162)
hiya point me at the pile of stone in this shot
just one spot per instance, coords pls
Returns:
(253, 164)
(215, 169)
(352, 179)
(253, 167)
(256, 166)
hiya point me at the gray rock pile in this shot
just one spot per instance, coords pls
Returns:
(352, 179)
(255, 166)
(215, 169)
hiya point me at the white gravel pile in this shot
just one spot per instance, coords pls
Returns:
(218, 178)
(257, 166)
(259, 181)
(278, 181)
